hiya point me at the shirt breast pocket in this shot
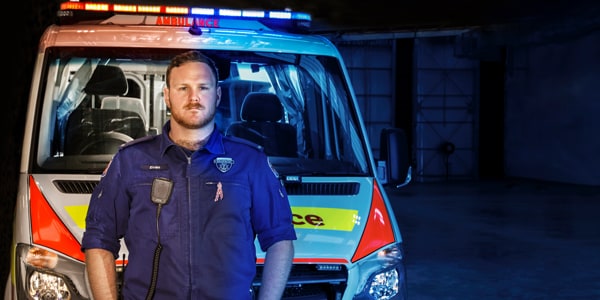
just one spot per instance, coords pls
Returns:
(227, 204)
(218, 189)
(144, 208)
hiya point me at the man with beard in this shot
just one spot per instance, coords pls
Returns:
(189, 204)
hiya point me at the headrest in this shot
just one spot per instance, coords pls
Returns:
(107, 80)
(262, 107)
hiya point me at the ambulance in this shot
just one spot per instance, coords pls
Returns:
(97, 84)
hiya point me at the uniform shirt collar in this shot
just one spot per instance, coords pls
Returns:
(213, 145)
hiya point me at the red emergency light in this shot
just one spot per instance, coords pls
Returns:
(190, 11)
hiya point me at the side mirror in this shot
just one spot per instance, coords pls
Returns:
(394, 164)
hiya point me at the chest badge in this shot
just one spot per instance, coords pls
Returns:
(224, 164)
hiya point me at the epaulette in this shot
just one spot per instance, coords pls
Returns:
(246, 142)
(139, 140)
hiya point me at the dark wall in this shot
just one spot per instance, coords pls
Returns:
(29, 21)
(553, 108)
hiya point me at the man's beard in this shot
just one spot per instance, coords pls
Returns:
(194, 125)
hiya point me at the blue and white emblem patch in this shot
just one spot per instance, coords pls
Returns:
(224, 164)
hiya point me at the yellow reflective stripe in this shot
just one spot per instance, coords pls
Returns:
(77, 213)
(303, 217)
(325, 218)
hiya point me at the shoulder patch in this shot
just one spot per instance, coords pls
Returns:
(106, 169)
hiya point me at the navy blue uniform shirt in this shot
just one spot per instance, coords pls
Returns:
(224, 195)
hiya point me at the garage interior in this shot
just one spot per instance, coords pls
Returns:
(499, 103)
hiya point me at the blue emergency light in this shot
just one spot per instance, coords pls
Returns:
(285, 20)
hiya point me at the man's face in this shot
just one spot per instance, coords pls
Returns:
(193, 95)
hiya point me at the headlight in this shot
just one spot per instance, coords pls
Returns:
(383, 275)
(384, 285)
(45, 274)
(47, 286)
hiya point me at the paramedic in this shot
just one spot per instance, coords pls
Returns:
(189, 203)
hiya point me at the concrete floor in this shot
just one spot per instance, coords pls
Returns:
(510, 239)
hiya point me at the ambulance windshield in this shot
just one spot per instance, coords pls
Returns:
(295, 106)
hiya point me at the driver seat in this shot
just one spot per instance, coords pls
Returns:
(261, 115)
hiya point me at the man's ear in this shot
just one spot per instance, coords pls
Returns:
(218, 95)
(166, 97)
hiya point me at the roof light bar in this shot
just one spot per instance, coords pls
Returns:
(230, 12)
(125, 8)
(253, 13)
(199, 11)
(74, 5)
(280, 15)
(74, 11)
(177, 10)
(150, 9)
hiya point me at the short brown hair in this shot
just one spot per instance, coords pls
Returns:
(192, 56)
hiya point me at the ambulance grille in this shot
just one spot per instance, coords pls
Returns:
(75, 186)
(316, 188)
(306, 188)
(311, 282)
